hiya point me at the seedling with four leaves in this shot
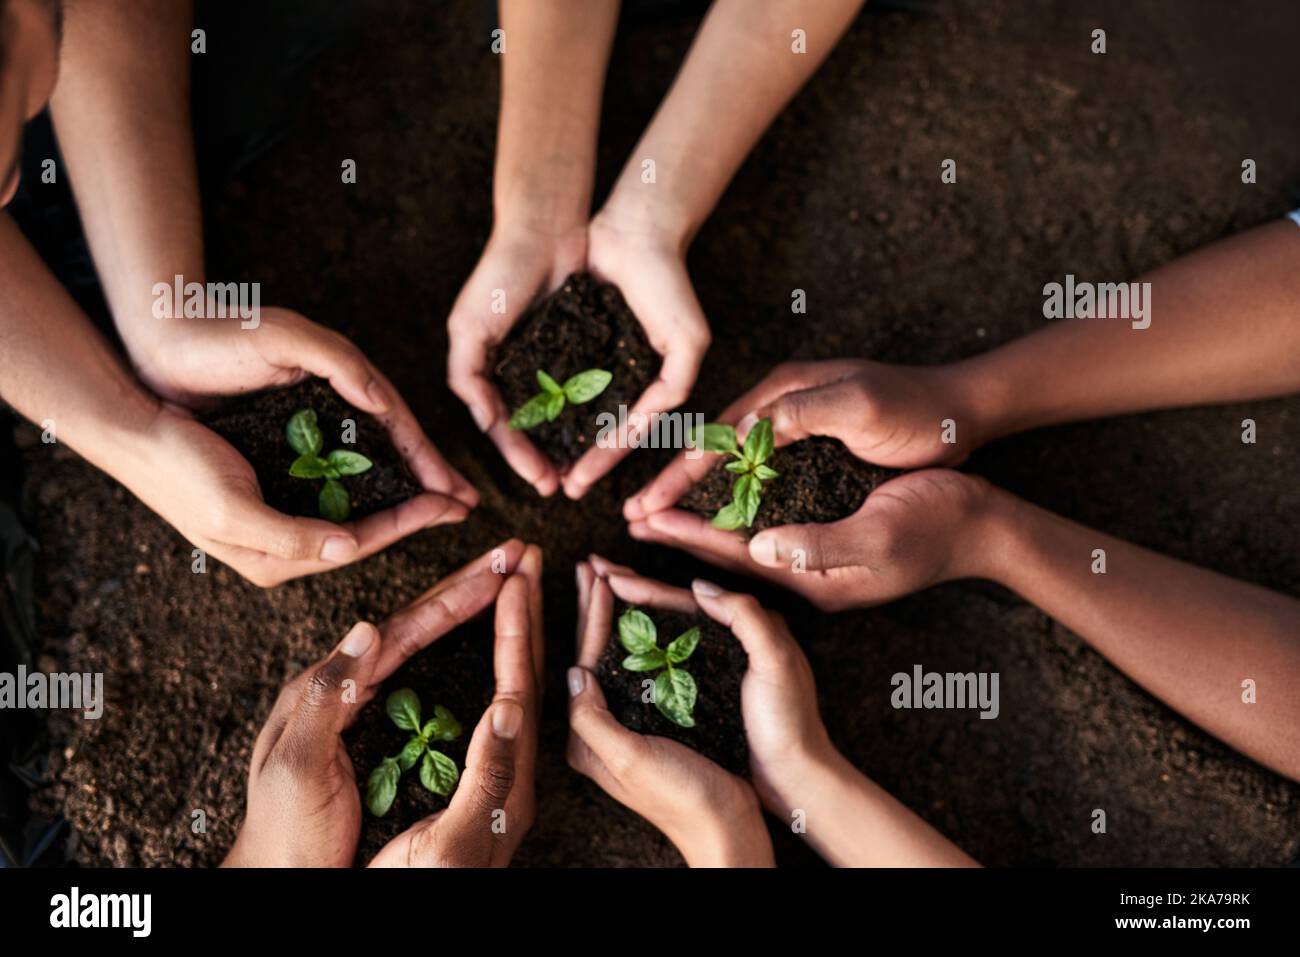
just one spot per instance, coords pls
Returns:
(749, 467)
(305, 438)
(438, 773)
(675, 690)
(547, 405)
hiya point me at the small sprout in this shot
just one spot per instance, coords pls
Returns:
(749, 468)
(675, 690)
(547, 405)
(438, 773)
(305, 438)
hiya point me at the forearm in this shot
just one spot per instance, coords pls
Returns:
(1190, 637)
(122, 115)
(853, 822)
(741, 71)
(1222, 329)
(55, 367)
(552, 78)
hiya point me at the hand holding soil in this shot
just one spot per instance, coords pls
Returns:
(301, 770)
(710, 814)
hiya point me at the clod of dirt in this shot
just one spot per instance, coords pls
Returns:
(820, 481)
(455, 672)
(718, 666)
(585, 324)
(255, 424)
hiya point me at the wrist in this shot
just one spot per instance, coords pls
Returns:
(996, 530)
(648, 211)
(734, 836)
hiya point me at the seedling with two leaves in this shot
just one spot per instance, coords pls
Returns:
(675, 690)
(749, 467)
(438, 773)
(547, 405)
(305, 438)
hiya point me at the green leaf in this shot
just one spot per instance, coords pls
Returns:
(442, 726)
(531, 413)
(683, 646)
(636, 632)
(759, 442)
(439, 773)
(585, 386)
(729, 517)
(308, 466)
(554, 406)
(404, 708)
(381, 787)
(646, 661)
(740, 466)
(549, 385)
(719, 438)
(747, 493)
(303, 433)
(765, 473)
(349, 463)
(411, 753)
(334, 502)
(675, 696)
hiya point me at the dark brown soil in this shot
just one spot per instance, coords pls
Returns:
(455, 672)
(1103, 166)
(255, 424)
(585, 324)
(820, 481)
(718, 666)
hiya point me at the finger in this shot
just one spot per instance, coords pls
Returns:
(603, 566)
(695, 534)
(764, 637)
(512, 654)
(426, 463)
(530, 566)
(636, 590)
(489, 779)
(327, 700)
(525, 458)
(823, 410)
(291, 341)
(584, 575)
(689, 467)
(812, 547)
(466, 366)
(450, 603)
(600, 615)
(606, 746)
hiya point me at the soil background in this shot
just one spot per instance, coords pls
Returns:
(1103, 166)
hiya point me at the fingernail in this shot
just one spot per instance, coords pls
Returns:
(507, 719)
(762, 548)
(338, 548)
(358, 640)
(747, 423)
(482, 417)
(378, 395)
(707, 589)
(577, 681)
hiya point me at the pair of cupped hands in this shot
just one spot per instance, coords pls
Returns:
(304, 808)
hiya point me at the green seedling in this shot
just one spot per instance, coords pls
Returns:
(305, 438)
(547, 405)
(749, 467)
(675, 690)
(438, 773)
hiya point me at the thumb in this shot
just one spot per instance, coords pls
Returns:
(291, 341)
(477, 808)
(330, 695)
(824, 410)
(261, 528)
(812, 547)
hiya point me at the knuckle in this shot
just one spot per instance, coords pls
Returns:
(493, 783)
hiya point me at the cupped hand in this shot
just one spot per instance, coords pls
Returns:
(649, 268)
(495, 803)
(518, 265)
(192, 361)
(207, 491)
(710, 815)
(913, 531)
(304, 809)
